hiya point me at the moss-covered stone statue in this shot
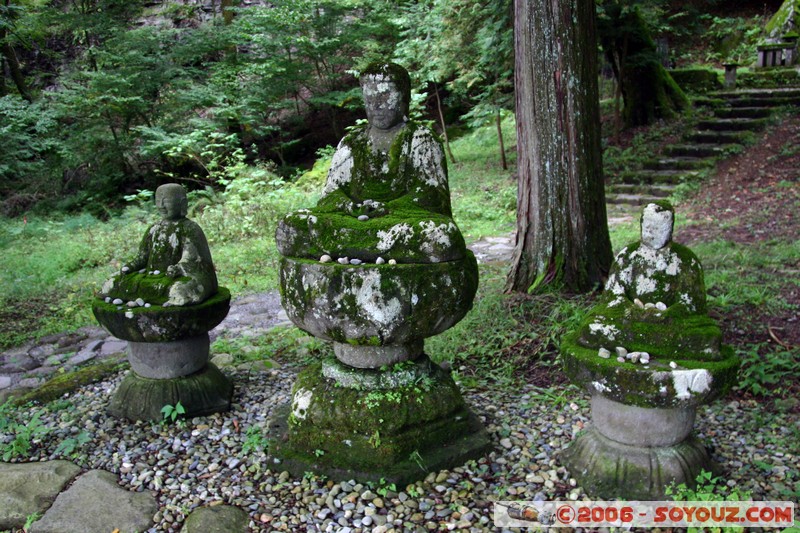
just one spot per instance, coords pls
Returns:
(376, 267)
(649, 355)
(163, 303)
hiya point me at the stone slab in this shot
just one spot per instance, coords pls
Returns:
(5, 382)
(112, 346)
(217, 519)
(95, 503)
(27, 488)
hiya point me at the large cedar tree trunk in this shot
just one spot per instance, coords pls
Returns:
(649, 92)
(562, 232)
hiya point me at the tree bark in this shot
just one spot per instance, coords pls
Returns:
(562, 231)
(444, 126)
(499, 123)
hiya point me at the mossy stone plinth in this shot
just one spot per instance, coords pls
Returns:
(162, 324)
(202, 393)
(396, 434)
(608, 469)
(377, 305)
(656, 385)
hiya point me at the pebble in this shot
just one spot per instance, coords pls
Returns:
(622, 352)
(355, 261)
(140, 302)
(108, 299)
(343, 260)
(325, 259)
(602, 352)
(661, 306)
(673, 364)
(132, 304)
(380, 261)
(125, 269)
(147, 305)
(142, 271)
(621, 359)
(638, 303)
(392, 261)
(156, 272)
(117, 301)
(201, 463)
(649, 305)
(363, 217)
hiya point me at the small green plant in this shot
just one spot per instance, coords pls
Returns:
(22, 433)
(67, 447)
(707, 489)
(172, 412)
(30, 519)
(413, 491)
(254, 440)
(384, 488)
(417, 458)
(319, 453)
(375, 439)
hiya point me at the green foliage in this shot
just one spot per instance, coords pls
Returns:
(764, 368)
(18, 435)
(172, 412)
(69, 446)
(255, 440)
(708, 489)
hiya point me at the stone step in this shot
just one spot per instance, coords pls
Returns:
(788, 92)
(773, 101)
(658, 176)
(732, 124)
(698, 150)
(742, 112)
(678, 163)
(641, 189)
(717, 137)
(631, 199)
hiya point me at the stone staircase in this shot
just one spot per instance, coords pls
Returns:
(731, 121)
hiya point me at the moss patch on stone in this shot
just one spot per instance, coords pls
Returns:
(70, 381)
(202, 393)
(162, 324)
(384, 304)
(697, 80)
(362, 429)
(653, 385)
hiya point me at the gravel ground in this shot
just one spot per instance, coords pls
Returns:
(201, 462)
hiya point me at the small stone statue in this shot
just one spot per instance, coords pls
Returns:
(164, 302)
(649, 355)
(386, 194)
(173, 266)
(655, 300)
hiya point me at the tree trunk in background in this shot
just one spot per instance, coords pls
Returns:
(562, 232)
(649, 92)
(499, 122)
(444, 127)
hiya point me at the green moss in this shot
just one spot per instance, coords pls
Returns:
(70, 381)
(162, 324)
(785, 20)
(325, 299)
(395, 72)
(697, 80)
(633, 384)
(375, 428)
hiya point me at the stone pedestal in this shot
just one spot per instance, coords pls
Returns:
(393, 425)
(380, 409)
(635, 452)
(168, 348)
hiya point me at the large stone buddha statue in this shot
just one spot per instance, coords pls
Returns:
(386, 194)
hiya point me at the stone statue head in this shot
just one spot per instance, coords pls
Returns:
(171, 201)
(658, 220)
(387, 94)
